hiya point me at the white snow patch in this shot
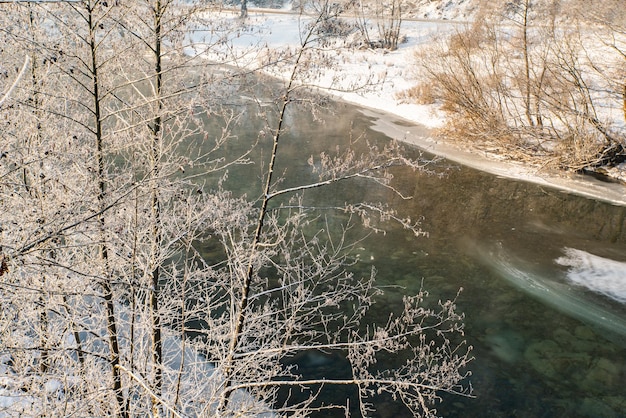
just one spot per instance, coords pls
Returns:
(598, 274)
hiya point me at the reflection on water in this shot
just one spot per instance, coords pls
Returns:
(543, 274)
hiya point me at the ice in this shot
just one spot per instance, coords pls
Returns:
(598, 274)
(567, 299)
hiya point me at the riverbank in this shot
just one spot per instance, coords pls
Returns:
(386, 77)
(424, 138)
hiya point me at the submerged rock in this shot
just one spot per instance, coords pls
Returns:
(540, 355)
(601, 374)
(507, 345)
(585, 333)
(595, 408)
(552, 361)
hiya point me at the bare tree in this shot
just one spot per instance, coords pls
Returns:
(309, 300)
(39, 161)
(131, 315)
(79, 48)
(386, 16)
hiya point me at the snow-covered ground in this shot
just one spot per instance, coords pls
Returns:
(392, 73)
(200, 383)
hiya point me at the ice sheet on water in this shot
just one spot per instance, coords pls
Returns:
(598, 274)
(553, 293)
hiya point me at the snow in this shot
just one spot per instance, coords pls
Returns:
(562, 296)
(391, 71)
(598, 274)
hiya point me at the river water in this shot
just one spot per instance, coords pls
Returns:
(543, 272)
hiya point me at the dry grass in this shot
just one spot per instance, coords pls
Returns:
(423, 93)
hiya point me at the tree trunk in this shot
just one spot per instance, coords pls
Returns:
(104, 254)
(624, 96)
(157, 343)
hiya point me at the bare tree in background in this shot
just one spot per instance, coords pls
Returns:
(387, 17)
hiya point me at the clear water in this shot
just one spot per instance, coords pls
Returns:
(543, 274)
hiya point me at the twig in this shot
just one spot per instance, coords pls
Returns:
(156, 399)
(17, 80)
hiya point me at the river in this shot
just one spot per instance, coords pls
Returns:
(543, 272)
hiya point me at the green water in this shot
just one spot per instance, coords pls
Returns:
(543, 346)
